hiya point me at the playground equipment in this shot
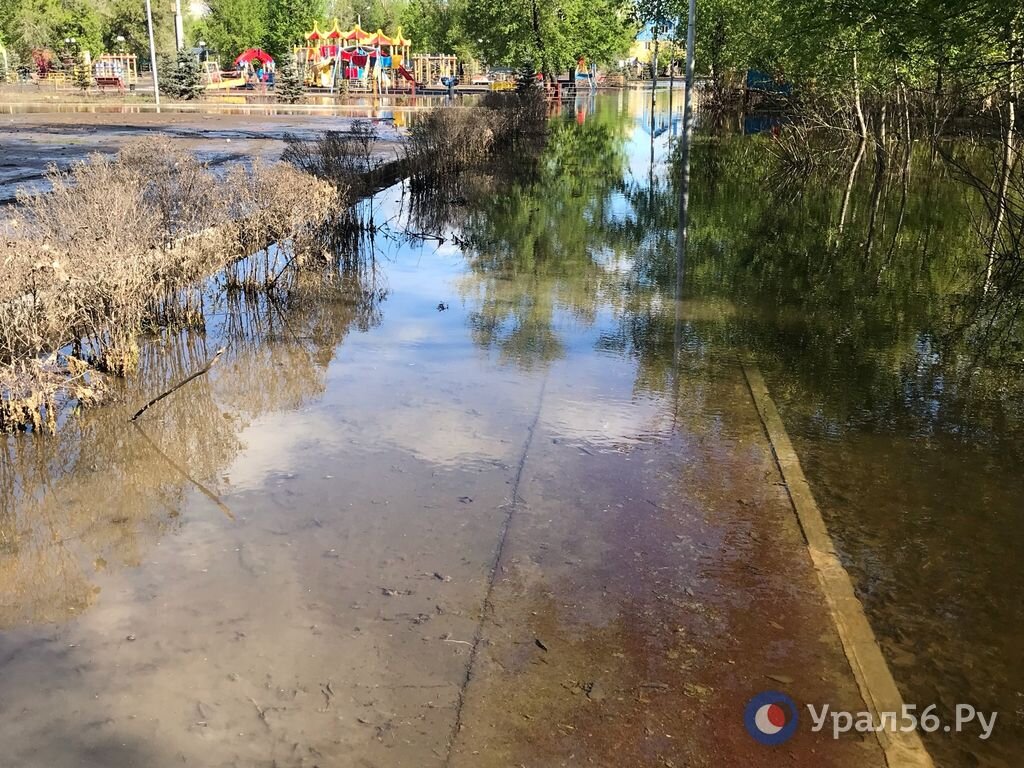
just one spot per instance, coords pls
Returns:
(114, 70)
(586, 74)
(256, 67)
(353, 57)
(214, 79)
(430, 69)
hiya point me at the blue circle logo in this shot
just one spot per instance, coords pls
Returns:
(771, 718)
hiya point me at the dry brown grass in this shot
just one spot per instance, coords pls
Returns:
(446, 142)
(344, 158)
(119, 245)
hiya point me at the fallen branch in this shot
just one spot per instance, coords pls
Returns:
(202, 488)
(180, 384)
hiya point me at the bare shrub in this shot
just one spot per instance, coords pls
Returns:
(277, 202)
(119, 245)
(344, 158)
(447, 142)
(279, 212)
(524, 117)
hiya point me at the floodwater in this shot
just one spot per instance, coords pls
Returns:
(34, 138)
(501, 496)
(367, 107)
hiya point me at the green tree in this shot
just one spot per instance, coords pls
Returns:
(386, 15)
(551, 35)
(232, 26)
(180, 77)
(83, 77)
(287, 22)
(289, 87)
(436, 26)
(127, 19)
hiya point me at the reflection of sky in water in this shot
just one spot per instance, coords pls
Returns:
(418, 383)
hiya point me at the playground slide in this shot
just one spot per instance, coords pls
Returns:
(406, 74)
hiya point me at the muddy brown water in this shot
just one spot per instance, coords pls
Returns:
(509, 502)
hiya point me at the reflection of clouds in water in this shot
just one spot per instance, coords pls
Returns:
(607, 422)
(447, 436)
(281, 442)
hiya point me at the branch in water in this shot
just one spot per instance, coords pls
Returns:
(180, 384)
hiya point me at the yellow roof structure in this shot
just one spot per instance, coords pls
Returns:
(401, 40)
(315, 33)
(379, 39)
(358, 36)
(335, 32)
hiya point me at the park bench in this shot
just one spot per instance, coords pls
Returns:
(110, 82)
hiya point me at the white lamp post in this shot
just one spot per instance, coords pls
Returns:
(152, 54)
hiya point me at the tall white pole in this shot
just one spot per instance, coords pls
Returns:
(684, 171)
(179, 27)
(152, 53)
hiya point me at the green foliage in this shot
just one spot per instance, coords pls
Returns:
(915, 43)
(83, 77)
(127, 18)
(232, 26)
(95, 25)
(435, 26)
(28, 24)
(526, 78)
(287, 21)
(372, 14)
(180, 77)
(552, 35)
(289, 86)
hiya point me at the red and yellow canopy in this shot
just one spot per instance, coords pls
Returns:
(358, 36)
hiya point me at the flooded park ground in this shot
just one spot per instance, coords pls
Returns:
(500, 494)
(35, 135)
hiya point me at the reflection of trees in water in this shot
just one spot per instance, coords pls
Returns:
(853, 280)
(547, 245)
(99, 492)
(992, 313)
(893, 344)
(861, 267)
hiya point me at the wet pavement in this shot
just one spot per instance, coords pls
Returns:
(401, 518)
(503, 500)
(394, 547)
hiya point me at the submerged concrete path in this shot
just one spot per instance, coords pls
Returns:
(666, 585)
(435, 553)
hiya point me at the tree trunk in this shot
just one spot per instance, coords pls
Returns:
(856, 100)
(539, 41)
(861, 145)
(1006, 168)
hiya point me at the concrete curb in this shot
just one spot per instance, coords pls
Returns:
(875, 680)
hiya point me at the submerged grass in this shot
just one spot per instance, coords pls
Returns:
(121, 245)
